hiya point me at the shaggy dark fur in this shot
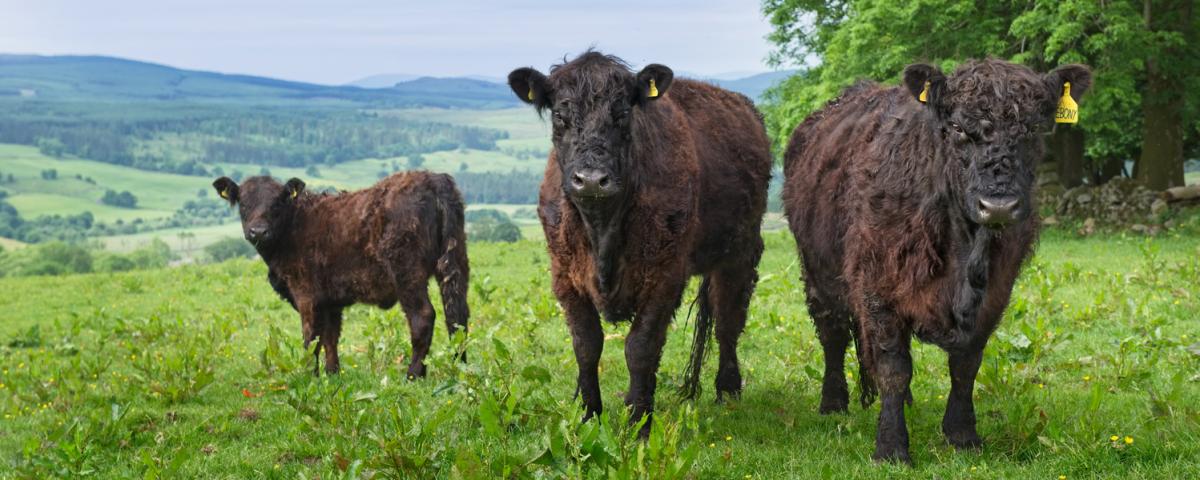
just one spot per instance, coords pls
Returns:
(640, 193)
(378, 246)
(893, 206)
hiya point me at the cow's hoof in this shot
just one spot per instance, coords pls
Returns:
(830, 407)
(416, 371)
(964, 440)
(728, 395)
(896, 456)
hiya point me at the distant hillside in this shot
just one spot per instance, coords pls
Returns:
(383, 80)
(96, 78)
(464, 89)
(754, 86)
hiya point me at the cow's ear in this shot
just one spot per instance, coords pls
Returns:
(530, 86)
(227, 189)
(653, 82)
(926, 83)
(1079, 76)
(294, 187)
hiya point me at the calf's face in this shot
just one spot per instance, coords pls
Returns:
(991, 115)
(266, 206)
(593, 102)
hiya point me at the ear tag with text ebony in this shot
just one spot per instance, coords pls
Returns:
(1068, 110)
(653, 89)
(924, 94)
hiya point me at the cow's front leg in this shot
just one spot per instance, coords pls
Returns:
(587, 338)
(643, 351)
(890, 345)
(959, 422)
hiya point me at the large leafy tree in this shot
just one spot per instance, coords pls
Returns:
(1143, 106)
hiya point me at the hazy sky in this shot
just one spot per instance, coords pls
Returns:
(337, 41)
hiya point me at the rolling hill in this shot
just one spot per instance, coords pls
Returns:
(753, 86)
(98, 78)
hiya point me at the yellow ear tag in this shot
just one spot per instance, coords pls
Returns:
(1068, 110)
(924, 94)
(295, 193)
(653, 89)
(225, 194)
(530, 95)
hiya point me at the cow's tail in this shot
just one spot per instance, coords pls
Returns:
(866, 383)
(700, 340)
(453, 270)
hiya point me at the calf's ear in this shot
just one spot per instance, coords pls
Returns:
(227, 189)
(294, 187)
(926, 83)
(1079, 76)
(653, 82)
(530, 86)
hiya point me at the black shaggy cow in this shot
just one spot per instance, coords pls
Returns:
(651, 180)
(912, 208)
(378, 246)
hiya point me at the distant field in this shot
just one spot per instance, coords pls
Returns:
(188, 246)
(159, 194)
(9, 244)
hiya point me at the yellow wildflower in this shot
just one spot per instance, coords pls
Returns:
(1128, 440)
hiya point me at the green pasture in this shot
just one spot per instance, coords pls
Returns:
(197, 371)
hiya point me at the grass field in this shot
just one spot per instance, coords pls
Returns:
(197, 372)
(159, 194)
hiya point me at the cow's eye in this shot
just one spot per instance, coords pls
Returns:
(956, 127)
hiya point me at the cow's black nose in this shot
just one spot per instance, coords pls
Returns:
(255, 233)
(592, 183)
(997, 211)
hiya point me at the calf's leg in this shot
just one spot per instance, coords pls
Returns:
(310, 328)
(959, 422)
(419, 310)
(331, 331)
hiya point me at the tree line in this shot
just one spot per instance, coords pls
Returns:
(514, 187)
(181, 140)
(1144, 106)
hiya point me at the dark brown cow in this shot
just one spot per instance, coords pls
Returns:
(913, 219)
(378, 246)
(651, 180)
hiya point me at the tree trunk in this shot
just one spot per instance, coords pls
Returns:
(1161, 163)
(1066, 144)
